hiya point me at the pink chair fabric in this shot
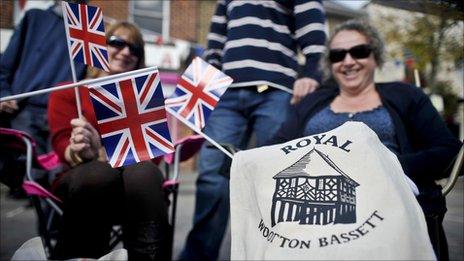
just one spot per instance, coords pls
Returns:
(33, 188)
(190, 146)
(49, 161)
(13, 139)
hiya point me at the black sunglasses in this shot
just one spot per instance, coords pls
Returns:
(119, 43)
(357, 52)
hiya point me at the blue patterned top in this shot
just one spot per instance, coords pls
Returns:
(377, 119)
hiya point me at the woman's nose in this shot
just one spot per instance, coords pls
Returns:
(125, 50)
(348, 59)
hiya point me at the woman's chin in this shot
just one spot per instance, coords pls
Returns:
(119, 69)
(350, 85)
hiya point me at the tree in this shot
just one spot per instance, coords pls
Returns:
(432, 33)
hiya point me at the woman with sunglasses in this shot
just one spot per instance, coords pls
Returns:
(400, 114)
(96, 196)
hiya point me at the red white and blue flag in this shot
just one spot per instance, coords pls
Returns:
(132, 118)
(86, 34)
(198, 92)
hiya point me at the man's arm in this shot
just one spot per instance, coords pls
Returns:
(311, 36)
(9, 64)
(12, 57)
(217, 36)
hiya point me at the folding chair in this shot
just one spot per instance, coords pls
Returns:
(455, 172)
(46, 204)
(184, 150)
(447, 185)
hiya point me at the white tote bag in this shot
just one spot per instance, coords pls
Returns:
(336, 195)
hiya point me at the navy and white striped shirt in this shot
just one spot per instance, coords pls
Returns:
(255, 42)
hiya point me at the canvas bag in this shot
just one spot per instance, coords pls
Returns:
(33, 249)
(336, 195)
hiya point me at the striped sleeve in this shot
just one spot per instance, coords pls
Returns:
(217, 36)
(310, 31)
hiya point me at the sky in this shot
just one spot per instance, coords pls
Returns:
(355, 4)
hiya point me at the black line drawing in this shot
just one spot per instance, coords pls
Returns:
(314, 196)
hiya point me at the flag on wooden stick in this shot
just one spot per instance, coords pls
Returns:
(196, 95)
(198, 92)
(86, 34)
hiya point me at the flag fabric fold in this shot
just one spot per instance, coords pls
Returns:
(198, 92)
(131, 118)
(85, 32)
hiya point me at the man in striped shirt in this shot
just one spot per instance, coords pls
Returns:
(256, 43)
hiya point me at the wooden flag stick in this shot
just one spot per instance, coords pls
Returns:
(193, 127)
(71, 62)
(417, 78)
(88, 82)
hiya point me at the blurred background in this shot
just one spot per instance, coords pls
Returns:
(424, 41)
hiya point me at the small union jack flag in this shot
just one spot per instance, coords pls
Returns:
(132, 119)
(198, 91)
(86, 34)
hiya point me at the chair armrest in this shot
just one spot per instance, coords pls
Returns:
(454, 173)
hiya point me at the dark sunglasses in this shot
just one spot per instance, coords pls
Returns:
(119, 43)
(357, 52)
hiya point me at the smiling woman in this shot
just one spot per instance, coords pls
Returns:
(401, 115)
(95, 195)
(122, 59)
(355, 75)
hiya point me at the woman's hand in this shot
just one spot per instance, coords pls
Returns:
(9, 106)
(85, 140)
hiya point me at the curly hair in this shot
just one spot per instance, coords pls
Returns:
(363, 27)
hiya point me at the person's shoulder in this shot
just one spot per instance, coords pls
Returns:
(395, 84)
(401, 93)
(37, 19)
(398, 88)
(36, 13)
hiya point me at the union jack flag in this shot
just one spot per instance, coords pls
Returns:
(86, 34)
(132, 119)
(198, 91)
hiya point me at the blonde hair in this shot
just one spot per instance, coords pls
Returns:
(365, 28)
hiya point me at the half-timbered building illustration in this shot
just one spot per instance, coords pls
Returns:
(314, 190)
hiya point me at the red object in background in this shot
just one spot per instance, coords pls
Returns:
(409, 63)
(409, 70)
(22, 4)
(159, 40)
